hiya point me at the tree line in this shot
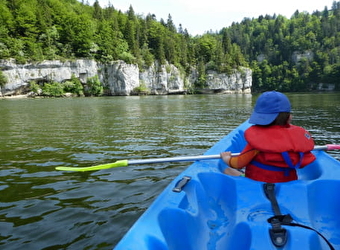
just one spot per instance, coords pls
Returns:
(291, 54)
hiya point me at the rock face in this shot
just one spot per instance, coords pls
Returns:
(118, 77)
(163, 79)
(19, 75)
(239, 81)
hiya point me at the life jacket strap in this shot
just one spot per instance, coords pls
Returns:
(288, 161)
(271, 168)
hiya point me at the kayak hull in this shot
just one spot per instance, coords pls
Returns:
(216, 211)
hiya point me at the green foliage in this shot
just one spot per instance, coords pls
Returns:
(54, 89)
(141, 89)
(127, 57)
(202, 77)
(74, 86)
(290, 54)
(147, 56)
(3, 79)
(93, 87)
(34, 87)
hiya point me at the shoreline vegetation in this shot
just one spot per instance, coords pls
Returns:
(227, 92)
(70, 95)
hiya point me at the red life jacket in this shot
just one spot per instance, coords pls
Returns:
(282, 150)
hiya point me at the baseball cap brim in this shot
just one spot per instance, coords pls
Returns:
(262, 119)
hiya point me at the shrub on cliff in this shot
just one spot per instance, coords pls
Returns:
(3, 79)
(74, 86)
(35, 88)
(142, 89)
(93, 87)
(55, 89)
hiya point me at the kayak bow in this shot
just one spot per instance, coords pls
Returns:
(205, 209)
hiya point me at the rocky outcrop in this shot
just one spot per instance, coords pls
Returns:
(20, 75)
(299, 56)
(163, 79)
(239, 81)
(119, 78)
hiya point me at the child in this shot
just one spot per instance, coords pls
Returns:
(275, 148)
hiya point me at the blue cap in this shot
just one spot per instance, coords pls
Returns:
(268, 106)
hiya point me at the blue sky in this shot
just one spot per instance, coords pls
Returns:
(199, 16)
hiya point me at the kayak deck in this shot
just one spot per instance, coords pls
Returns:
(217, 211)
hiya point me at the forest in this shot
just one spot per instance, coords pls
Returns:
(285, 54)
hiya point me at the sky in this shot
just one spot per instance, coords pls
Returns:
(200, 16)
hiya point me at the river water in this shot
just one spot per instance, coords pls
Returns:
(41, 208)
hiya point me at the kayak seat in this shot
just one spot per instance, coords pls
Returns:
(322, 168)
(310, 172)
(155, 243)
(180, 229)
(222, 192)
(206, 212)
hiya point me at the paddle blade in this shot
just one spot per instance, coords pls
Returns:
(122, 163)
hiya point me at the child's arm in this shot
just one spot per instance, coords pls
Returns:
(241, 160)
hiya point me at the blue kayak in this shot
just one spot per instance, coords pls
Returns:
(206, 209)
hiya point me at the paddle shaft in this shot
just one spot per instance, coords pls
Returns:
(125, 163)
(206, 157)
(175, 159)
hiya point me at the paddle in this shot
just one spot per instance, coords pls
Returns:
(125, 163)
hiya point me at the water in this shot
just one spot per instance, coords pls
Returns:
(41, 208)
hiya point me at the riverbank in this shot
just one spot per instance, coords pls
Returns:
(14, 97)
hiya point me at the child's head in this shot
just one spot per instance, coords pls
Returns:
(282, 118)
(271, 108)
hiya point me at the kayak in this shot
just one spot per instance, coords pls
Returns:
(205, 209)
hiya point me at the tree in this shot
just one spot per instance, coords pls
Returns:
(50, 42)
(156, 34)
(26, 21)
(7, 26)
(79, 32)
(98, 12)
(170, 25)
(206, 46)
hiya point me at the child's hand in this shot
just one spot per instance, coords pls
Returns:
(226, 156)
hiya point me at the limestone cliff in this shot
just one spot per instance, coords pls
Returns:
(238, 81)
(119, 78)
